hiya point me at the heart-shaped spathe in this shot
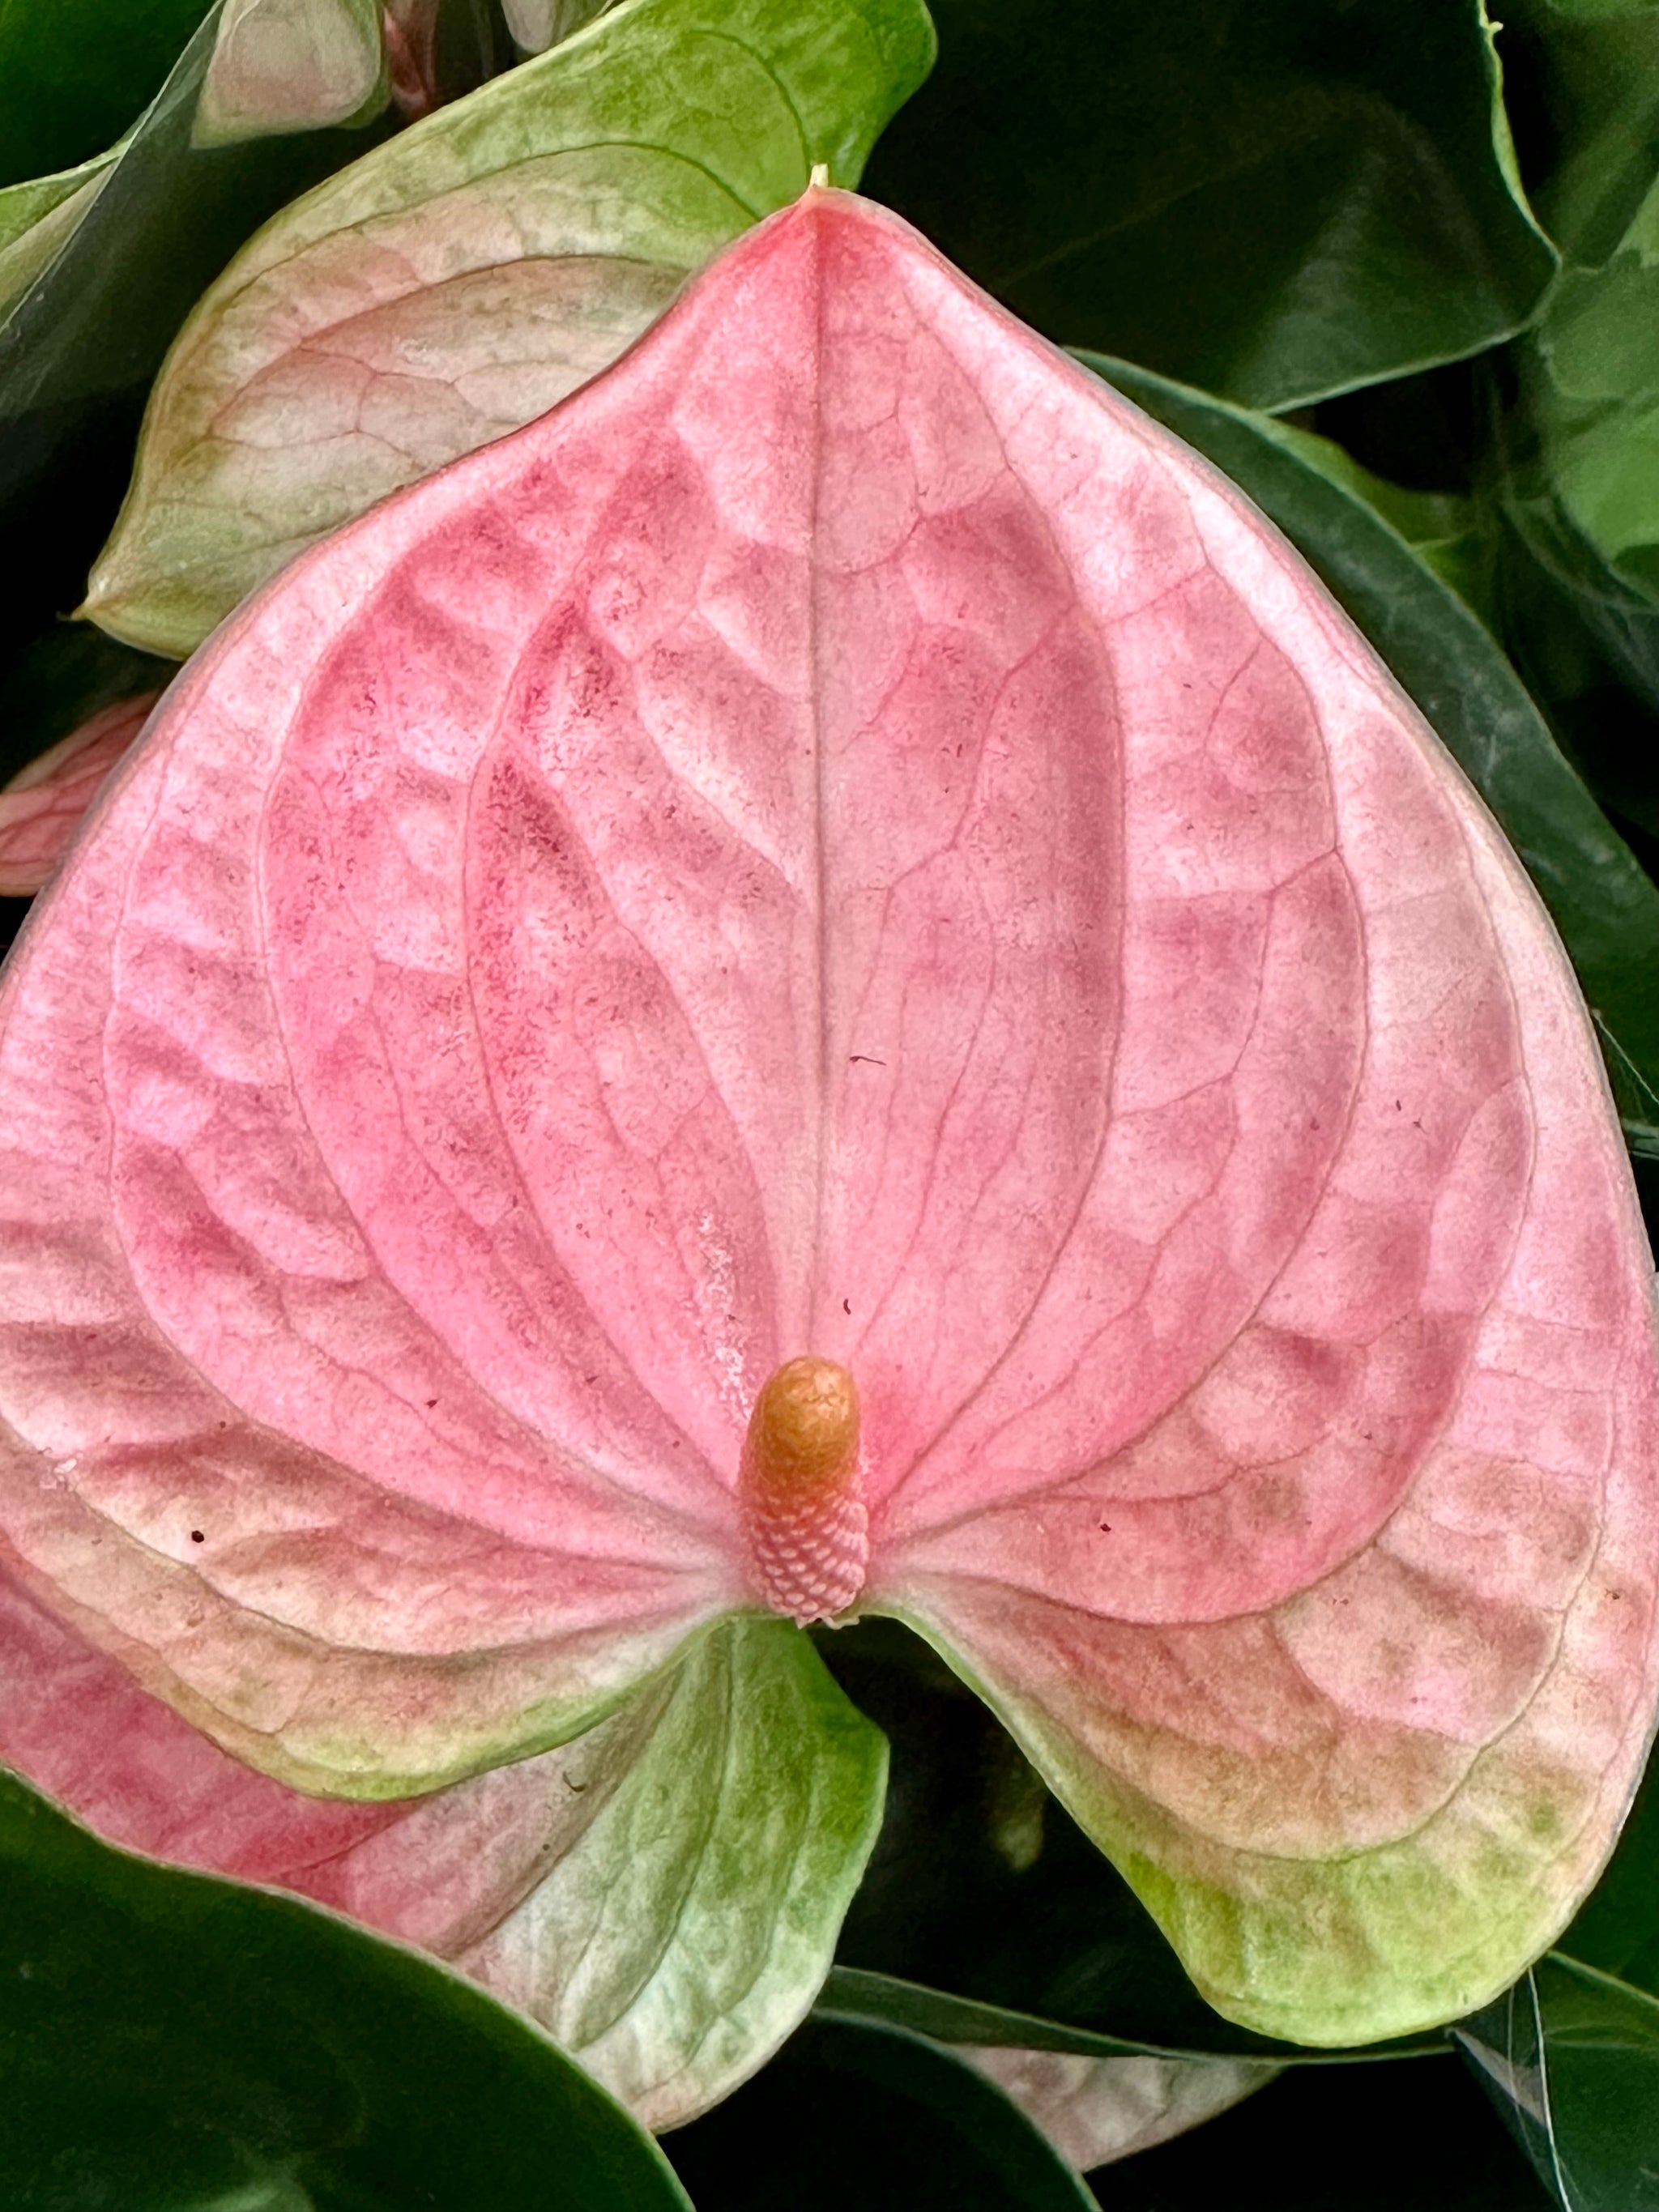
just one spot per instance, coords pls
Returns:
(843, 841)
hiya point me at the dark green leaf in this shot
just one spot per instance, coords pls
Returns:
(1587, 644)
(1585, 76)
(1604, 906)
(79, 345)
(1577, 460)
(1269, 198)
(168, 2041)
(1592, 385)
(60, 679)
(167, 217)
(36, 218)
(881, 2001)
(75, 73)
(1617, 1929)
(1572, 2057)
(1444, 529)
(1422, 519)
(1572, 2054)
(869, 2117)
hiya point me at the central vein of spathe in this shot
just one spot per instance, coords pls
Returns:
(819, 177)
(803, 1512)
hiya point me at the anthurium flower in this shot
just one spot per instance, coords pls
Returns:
(538, 24)
(828, 983)
(457, 280)
(291, 65)
(1095, 2111)
(409, 29)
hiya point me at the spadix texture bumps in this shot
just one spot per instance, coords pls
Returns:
(845, 841)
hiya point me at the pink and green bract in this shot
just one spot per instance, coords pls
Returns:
(844, 841)
(42, 807)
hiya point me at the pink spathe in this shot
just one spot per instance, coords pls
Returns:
(43, 805)
(845, 839)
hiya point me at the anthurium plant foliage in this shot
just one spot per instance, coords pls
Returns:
(827, 1359)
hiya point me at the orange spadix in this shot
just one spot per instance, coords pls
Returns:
(798, 1482)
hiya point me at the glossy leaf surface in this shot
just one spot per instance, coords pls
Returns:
(1595, 392)
(1582, 492)
(58, 680)
(86, 333)
(551, 962)
(1268, 199)
(878, 2001)
(459, 281)
(1572, 2054)
(1448, 531)
(865, 2111)
(1601, 900)
(1588, 646)
(77, 73)
(168, 2041)
(36, 221)
(662, 1895)
(1591, 67)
